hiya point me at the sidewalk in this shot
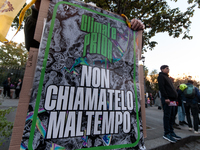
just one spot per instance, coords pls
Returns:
(154, 122)
(155, 131)
(6, 103)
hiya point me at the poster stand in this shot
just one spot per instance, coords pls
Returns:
(29, 77)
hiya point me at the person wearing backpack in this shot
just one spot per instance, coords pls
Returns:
(181, 108)
(191, 96)
(168, 98)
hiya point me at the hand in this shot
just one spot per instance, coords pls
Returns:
(167, 101)
(137, 25)
(37, 4)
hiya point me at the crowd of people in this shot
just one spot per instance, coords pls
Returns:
(181, 100)
(7, 85)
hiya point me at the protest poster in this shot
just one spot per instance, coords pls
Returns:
(85, 93)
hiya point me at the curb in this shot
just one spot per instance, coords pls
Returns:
(179, 144)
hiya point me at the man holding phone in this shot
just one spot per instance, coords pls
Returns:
(168, 98)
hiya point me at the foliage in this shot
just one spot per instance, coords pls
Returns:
(154, 81)
(185, 79)
(5, 126)
(156, 15)
(15, 23)
(12, 61)
(13, 54)
(148, 83)
(146, 71)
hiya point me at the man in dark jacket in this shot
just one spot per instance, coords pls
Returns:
(6, 87)
(192, 103)
(168, 94)
(18, 88)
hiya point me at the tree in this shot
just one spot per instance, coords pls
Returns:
(146, 71)
(148, 87)
(153, 81)
(13, 54)
(181, 80)
(15, 23)
(156, 15)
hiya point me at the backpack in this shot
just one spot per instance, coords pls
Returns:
(189, 92)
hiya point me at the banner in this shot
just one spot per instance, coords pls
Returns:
(8, 11)
(86, 86)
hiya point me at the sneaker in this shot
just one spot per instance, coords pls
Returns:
(169, 138)
(175, 136)
(190, 129)
(176, 127)
(184, 122)
(196, 132)
(181, 123)
(176, 124)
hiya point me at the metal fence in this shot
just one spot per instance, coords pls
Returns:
(15, 73)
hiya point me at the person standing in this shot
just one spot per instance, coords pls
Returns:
(168, 95)
(181, 109)
(191, 96)
(148, 101)
(151, 99)
(6, 87)
(18, 88)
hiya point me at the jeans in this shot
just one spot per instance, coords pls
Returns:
(181, 113)
(168, 117)
(195, 110)
(175, 112)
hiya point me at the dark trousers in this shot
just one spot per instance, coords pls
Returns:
(195, 110)
(6, 90)
(175, 113)
(17, 91)
(168, 117)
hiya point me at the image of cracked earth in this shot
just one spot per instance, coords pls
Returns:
(85, 93)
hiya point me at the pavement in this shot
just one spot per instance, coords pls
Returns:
(155, 132)
(154, 123)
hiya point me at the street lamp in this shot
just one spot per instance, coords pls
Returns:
(143, 60)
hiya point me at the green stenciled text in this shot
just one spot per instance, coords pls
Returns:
(98, 38)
